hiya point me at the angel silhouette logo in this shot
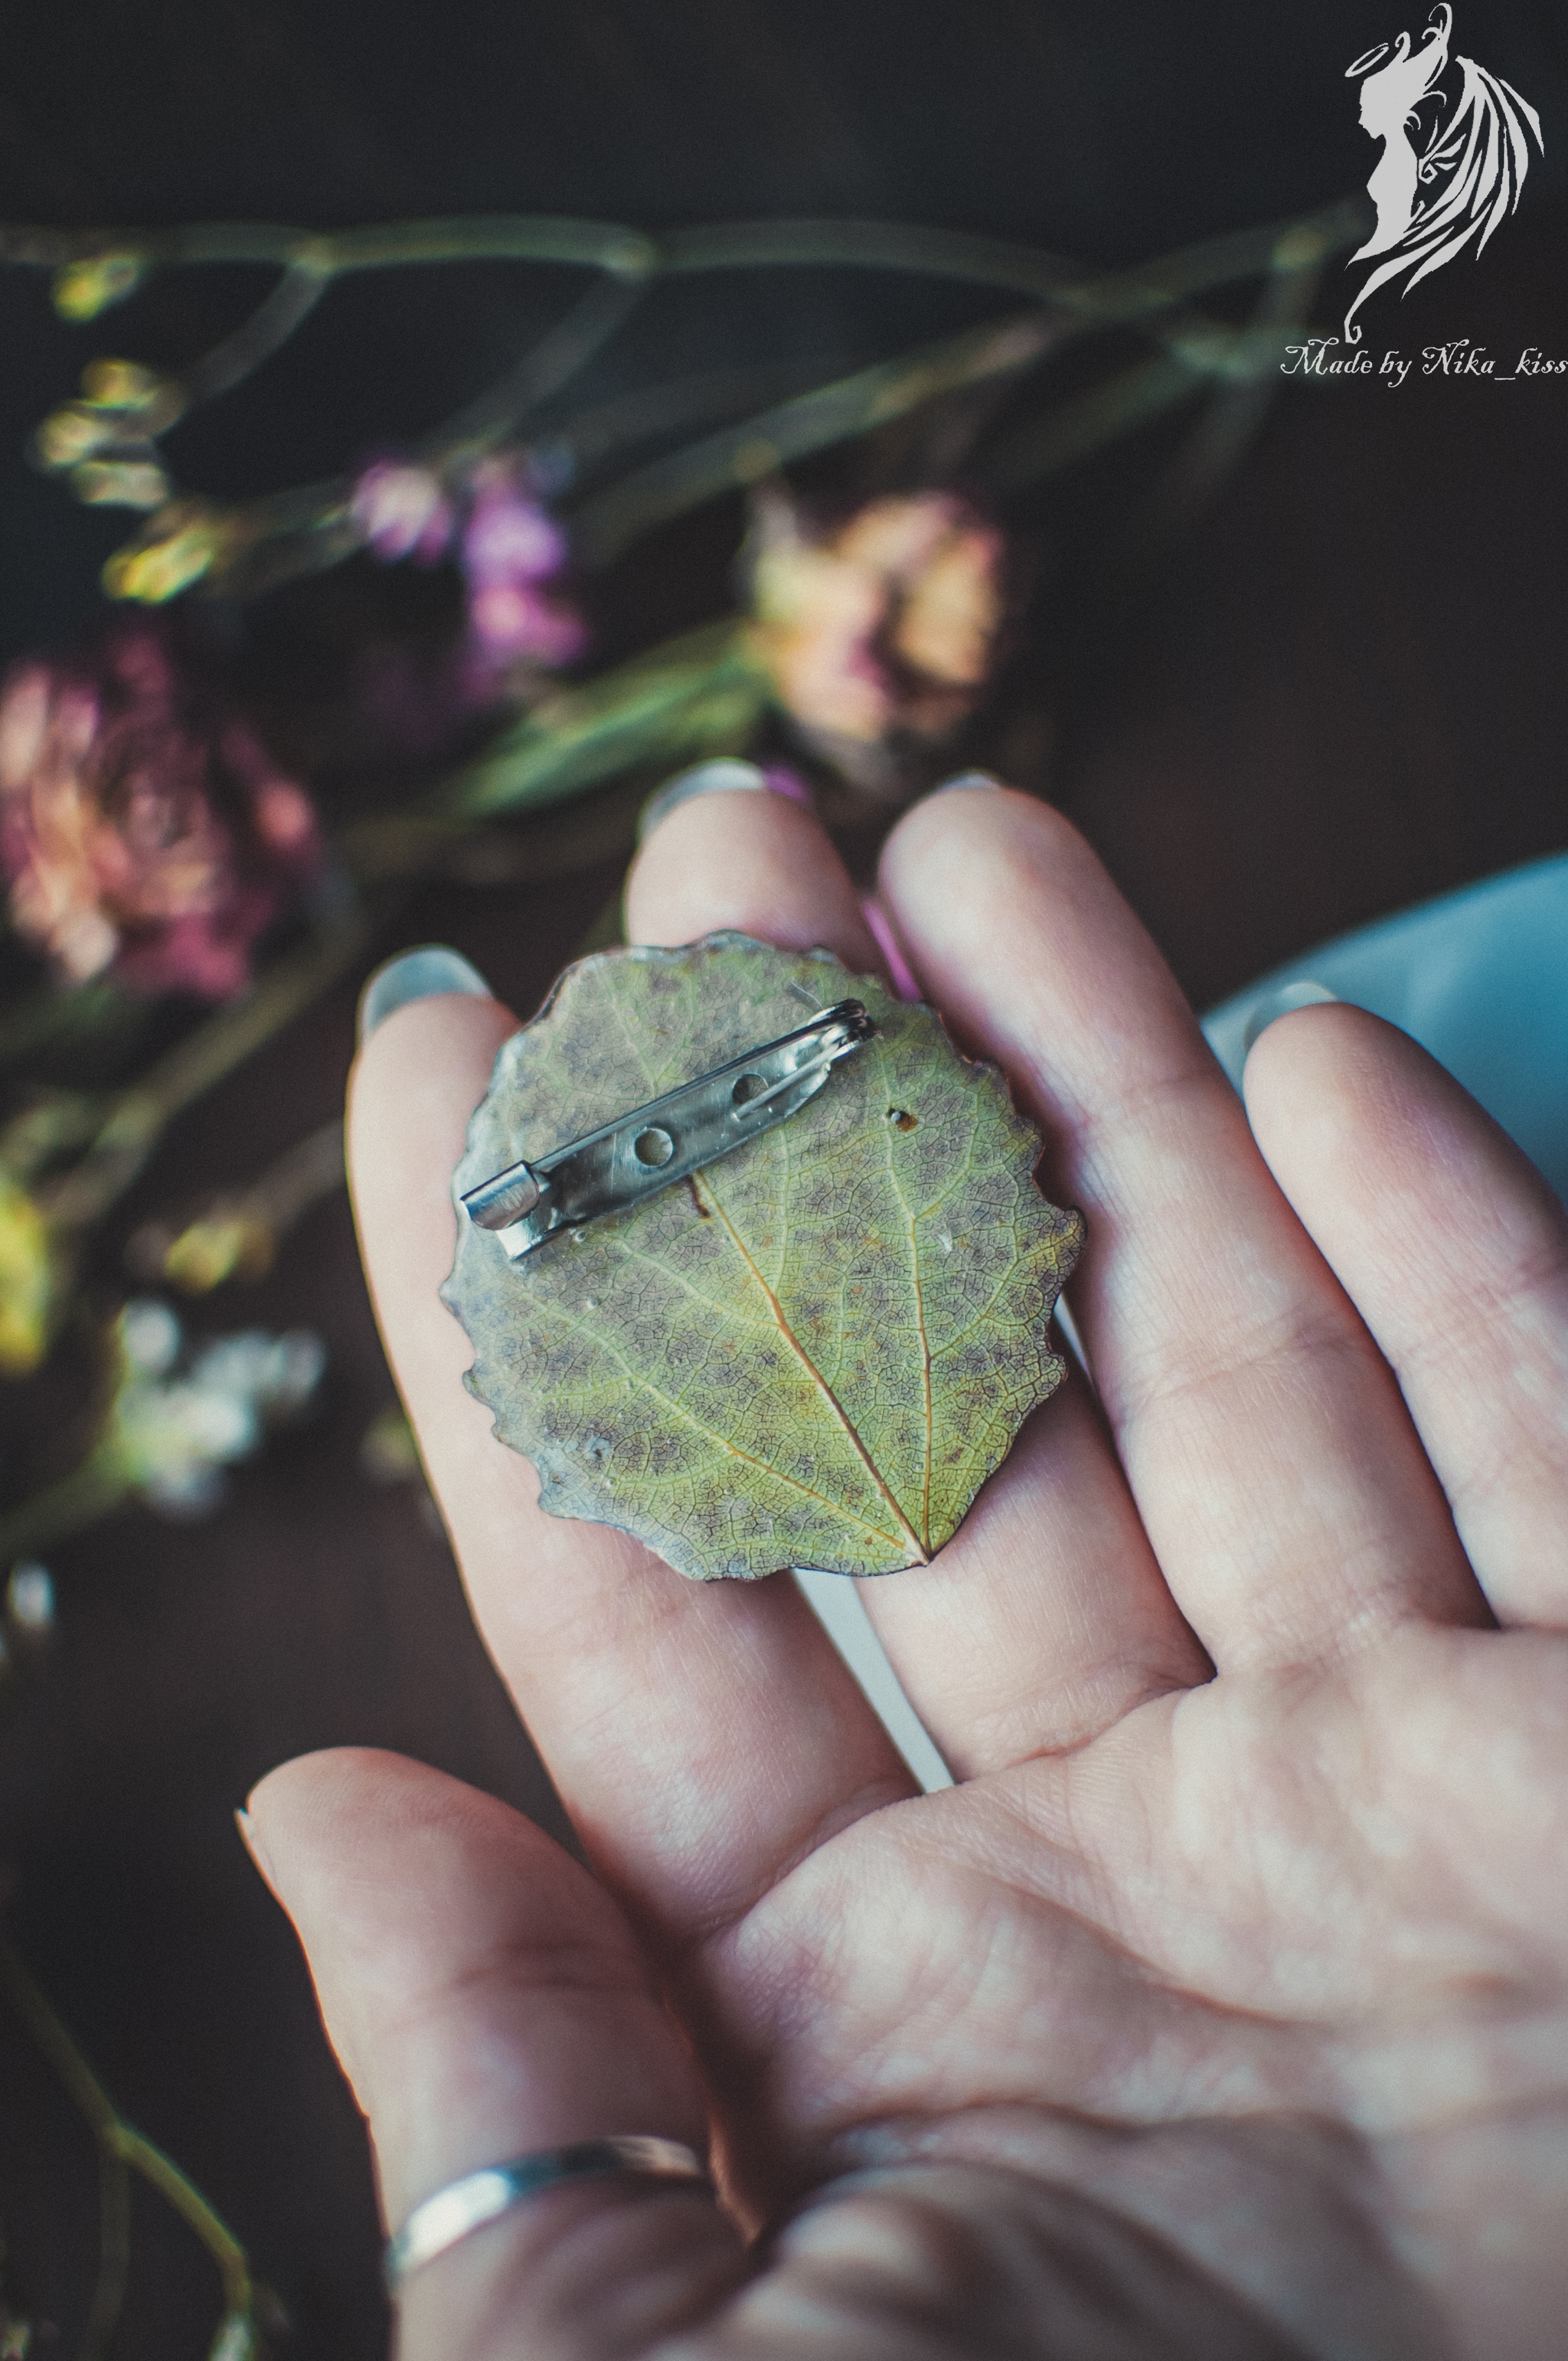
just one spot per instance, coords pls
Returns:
(1439, 181)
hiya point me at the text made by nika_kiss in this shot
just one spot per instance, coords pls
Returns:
(1328, 357)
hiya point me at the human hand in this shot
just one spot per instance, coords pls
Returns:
(1219, 2010)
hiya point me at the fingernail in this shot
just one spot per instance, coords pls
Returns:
(255, 1846)
(967, 779)
(416, 975)
(1303, 993)
(886, 941)
(723, 777)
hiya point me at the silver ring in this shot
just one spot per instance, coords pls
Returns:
(479, 2197)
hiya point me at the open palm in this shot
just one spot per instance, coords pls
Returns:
(1221, 2007)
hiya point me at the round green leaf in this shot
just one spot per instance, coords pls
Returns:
(816, 1350)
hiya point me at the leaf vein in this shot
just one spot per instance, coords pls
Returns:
(847, 1424)
(711, 1434)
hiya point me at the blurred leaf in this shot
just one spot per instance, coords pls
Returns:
(815, 1351)
(698, 694)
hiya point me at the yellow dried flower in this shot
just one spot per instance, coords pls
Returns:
(83, 289)
(120, 484)
(120, 385)
(179, 545)
(121, 403)
(26, 1281)
(221, 1245)
(72, 433)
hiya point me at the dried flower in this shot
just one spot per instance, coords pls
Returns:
(236, 1235)
(26, 1281)
(120, 484)
(219, 1247)
(237, 2339)
(882, 632)
(122, 405)
(512, 552)
(141, 837)
(73, 433)
(183, 540)
(172, 1431)
(128, 390)
(83, 289)
(403, 512)
(29, 1598)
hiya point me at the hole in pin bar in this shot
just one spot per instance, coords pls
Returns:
(748, 1087)
(652, 1147)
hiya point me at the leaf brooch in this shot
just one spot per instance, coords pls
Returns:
(758, 1273)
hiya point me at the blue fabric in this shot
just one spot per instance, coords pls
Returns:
(1480, 978)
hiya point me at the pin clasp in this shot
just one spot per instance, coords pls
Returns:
(649, 1149)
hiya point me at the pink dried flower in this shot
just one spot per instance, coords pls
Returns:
(884, 629)
(403, 512)
(509, 618)
(140, 837)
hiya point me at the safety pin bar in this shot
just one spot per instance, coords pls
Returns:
(632, 1158)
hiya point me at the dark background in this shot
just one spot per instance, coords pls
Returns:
(1340, 688)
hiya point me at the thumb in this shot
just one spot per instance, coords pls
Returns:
(487, 1999)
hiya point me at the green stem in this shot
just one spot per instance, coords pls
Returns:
(113, 2253)
(56, 1123)
(313, 1168)
(138, 1116)
(697, 694)
(309, 528)
(93, 1490)
(1026, 271)
(1074, 428)
(1151, 294)
(810, 422)
(544, 370)
(120, 2139)
(494, 237)
(1234, 416)
(39, 1017)
(593, 437)
(558, 843)
(313, 520)
(187, 2201)
(730, 245)
(306, 530)
(266, 331)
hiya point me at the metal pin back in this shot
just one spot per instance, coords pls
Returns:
(650, 1147)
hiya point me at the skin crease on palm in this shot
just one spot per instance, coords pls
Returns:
(1221, 2007)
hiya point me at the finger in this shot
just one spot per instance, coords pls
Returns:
(1279, 1479)
(1045, 1618)
(699, 1735)
(487, 1999)
(717, 862)
(1456, 1252)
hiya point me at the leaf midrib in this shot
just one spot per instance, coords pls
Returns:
(727, 1442)
(846, 1423)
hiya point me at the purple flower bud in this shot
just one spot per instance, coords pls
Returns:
(508, 537)
(510, 619)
